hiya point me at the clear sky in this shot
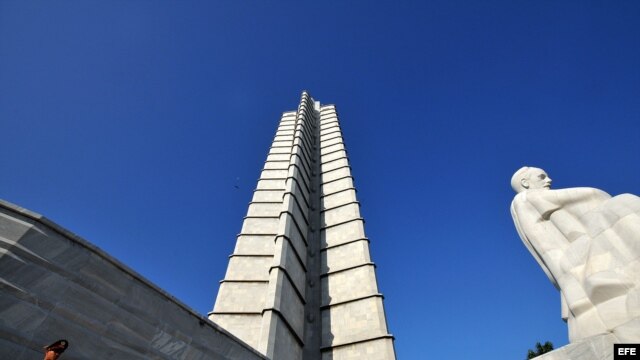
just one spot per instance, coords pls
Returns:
(143, 126)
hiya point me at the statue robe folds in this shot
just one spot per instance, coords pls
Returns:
(588, 244)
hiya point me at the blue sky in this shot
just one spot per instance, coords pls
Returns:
(131, 123)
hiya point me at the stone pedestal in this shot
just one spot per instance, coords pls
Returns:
(598, 347)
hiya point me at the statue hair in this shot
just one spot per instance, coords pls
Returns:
(522, 173)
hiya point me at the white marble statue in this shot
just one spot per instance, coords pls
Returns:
(588, 244)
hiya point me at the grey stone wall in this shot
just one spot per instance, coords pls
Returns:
(56, 285)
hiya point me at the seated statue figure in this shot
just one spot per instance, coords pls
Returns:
(588, 244)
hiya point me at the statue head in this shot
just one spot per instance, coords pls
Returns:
(528, 178)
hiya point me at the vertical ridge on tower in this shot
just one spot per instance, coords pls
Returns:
(300, 283)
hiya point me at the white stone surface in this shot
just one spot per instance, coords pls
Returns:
(588, 244)
(598, 347)
(321, 299)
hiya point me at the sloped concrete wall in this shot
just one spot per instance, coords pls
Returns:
(55, 285)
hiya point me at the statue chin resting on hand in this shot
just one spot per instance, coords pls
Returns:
(588, 244)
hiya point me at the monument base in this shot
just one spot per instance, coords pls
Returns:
(597, 347)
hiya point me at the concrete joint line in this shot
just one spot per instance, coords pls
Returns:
(295, 197)
(323, 136)
(305, 213)
(342, 223)
(339, 136)
(303, 191)
(327, 274)
(250, 255)
(306, 222)
(329, 123)
(303, 171)
(258, 234)
(305, 188)
(295, 223)
(302, 150)
(295, 250)
(243, 281)
(334, 151)
(234, 313)
(326, 146)
(339, 206)
(305, 145)
(268, 189)
(325, 127)
(305, 127)
(260, 217)
(344, 243)
(290, 280)
(328, 306)
(329, 128)
(274, 161)
(302, 160)
(339, 191)
(327, 118)
(264, 202)
(340, 178)
(284, 320)
(330, 161)
(338, 168)
(303, 138)
(388, 336)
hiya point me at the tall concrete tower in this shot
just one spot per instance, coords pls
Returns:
(300, 283)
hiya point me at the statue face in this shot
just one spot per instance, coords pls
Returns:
(536, 179)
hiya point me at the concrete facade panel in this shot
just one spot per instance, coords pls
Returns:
(335, 174)
(282, 144)
(241, 297)
(277, 184)
(340, 214)
(348, 285)
(245, 327)
(333, 156)
(336, 185)
(342, 233)
(296, 241)
(328, 166)
(379, 349)
(276, 165)
(345, 256)
(260, 226)
(286, 138)
(291, 307)
(264, 209)
(331, 148)
(288, 347)
(267, 196)
(280, 150)
(328, 127)
(295, 269)
(332, 141)
(254, 245)
(273, 174)
(278, 157)
(339, 198)
(248, 268)
(353, 321)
